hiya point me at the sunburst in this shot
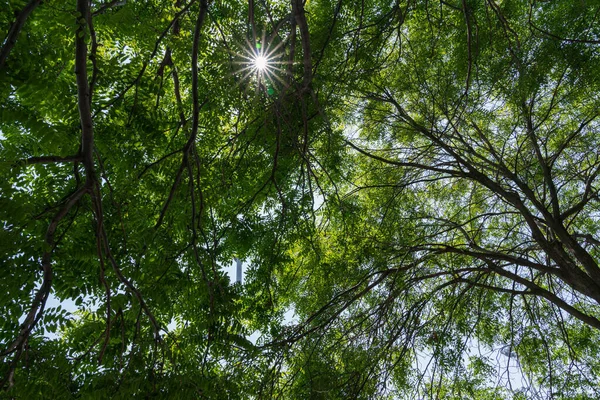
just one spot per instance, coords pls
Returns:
(261, 65)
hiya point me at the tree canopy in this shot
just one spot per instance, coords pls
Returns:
(412, 185)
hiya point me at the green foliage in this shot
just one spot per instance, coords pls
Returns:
(412, 185)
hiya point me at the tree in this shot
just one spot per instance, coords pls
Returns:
(416, 181)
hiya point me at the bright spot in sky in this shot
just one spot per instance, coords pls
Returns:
(260, 62)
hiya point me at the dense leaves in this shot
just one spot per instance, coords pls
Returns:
(412, 186)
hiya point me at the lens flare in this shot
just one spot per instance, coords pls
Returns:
(261, 63)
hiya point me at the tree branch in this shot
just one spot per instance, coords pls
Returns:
(36, 310)
(15, 29)
(300, 16)
(84, 95)
(195, 109)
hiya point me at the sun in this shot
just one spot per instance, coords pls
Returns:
(261, 63)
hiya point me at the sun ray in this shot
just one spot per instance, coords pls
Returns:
(274, 68)
(263, 64)
(284, 83)
(247, 67)
(270, 53)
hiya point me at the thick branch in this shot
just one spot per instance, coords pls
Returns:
(83, 94)
(300, 16)
(551, 297)
(469, 46)
(574, 278)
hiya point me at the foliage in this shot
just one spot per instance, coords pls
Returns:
(414, 181)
